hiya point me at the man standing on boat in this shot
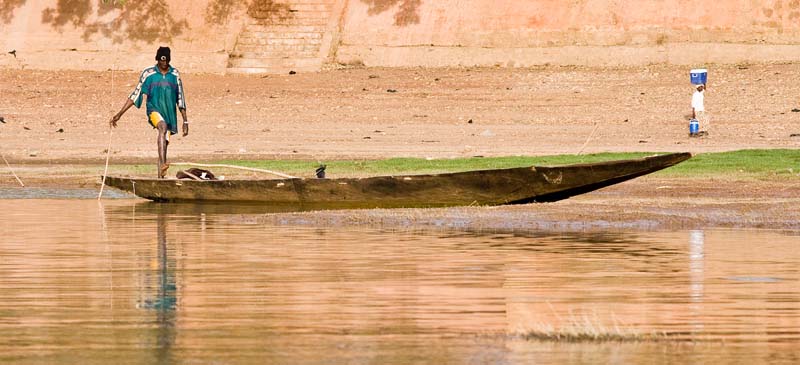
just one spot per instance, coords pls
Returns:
(164, 89)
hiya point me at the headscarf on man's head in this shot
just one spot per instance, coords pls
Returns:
(163, 52)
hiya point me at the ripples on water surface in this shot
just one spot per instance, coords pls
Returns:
(125, 282)
(58, 193)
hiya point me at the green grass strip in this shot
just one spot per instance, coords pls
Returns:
(395, 166)
(742, 164)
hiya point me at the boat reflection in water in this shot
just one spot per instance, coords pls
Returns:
(162, 283)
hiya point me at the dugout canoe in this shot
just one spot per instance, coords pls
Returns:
(483, 187)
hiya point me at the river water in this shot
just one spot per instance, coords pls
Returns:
(127, 282)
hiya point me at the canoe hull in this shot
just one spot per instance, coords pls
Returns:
(486, 187)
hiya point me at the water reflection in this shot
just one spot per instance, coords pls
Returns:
(164, 300)
(214, 208)
(696, 277)
(162, 297)
(59, 193)
(157, 289)
(192, 285)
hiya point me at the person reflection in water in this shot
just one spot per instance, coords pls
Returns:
(165, 299)
(164, 302)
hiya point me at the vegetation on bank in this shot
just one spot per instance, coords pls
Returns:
(777, 165)
(735, 165)
(742, 164)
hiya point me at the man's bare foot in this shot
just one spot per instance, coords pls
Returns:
(162, 170)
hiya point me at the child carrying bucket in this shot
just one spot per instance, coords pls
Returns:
(699, 124)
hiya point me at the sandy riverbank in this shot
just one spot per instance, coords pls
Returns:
(353, 113)
(57, 134)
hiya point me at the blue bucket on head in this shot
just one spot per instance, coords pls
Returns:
(694, 126)
(699, 76)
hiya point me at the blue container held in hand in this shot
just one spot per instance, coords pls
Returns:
(694, 127)
(699, 76)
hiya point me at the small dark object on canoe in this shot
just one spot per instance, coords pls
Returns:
(321, 171)
(200, 173)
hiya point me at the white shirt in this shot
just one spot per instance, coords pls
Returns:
(698, 101)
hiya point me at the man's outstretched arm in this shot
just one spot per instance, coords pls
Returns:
(115, 118)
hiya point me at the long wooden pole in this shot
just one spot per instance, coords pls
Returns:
(110, 134)
(589, 138)
(108, 156)
(12, 170)
(234, 167)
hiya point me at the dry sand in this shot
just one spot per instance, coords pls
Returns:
(56, 120)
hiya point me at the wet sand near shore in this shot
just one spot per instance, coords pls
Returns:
(56, 133)
(644, 204)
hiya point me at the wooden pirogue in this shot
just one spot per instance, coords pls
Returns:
(484, 187)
